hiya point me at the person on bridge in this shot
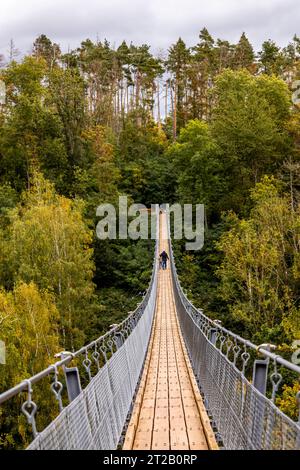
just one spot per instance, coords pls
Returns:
(164, 258)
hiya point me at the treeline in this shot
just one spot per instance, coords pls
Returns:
(177, 82)
(212, 124)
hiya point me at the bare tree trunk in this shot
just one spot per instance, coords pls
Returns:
(137, 89)
(121, 98)
(175, 112)
(131, 98)
(171, 97)
(118, 99)
(166, 102)
(158, 104)
(127, 97)
(152, 102)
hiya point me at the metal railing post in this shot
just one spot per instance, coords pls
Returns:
(260, 375)
(72, 379)
(260, 369)
(213, 336)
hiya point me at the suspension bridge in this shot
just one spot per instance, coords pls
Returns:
(166, 378)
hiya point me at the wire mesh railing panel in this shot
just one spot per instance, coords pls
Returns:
(241, 413)
(243, 416)
(96, 417)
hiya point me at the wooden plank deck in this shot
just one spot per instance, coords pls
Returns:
(168, 413)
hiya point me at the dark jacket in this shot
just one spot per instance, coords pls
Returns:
(164, 256)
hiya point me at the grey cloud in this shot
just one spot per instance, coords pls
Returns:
(156, 22)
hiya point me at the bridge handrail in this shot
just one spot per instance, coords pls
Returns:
(241, 413)
(22, 386)
(127, 326)
(261, 348)
(215, 325)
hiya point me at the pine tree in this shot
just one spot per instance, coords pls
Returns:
(244, 54)
(271, 58)
(178, 63)
(43, 47)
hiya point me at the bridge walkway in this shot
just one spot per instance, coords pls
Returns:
(168, 413)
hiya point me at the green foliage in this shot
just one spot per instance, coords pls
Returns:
(144, 169)
(67, 93)
(287, 402)
(29, 328)
(29, 320)
(257, 271)
(48, 243)
(249, 122)
(43, 47)
(271, 58)
(78, 129)
(8, 200)
(32, 133)
(244, 54)
(196, 159)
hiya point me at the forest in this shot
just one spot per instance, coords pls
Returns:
(216, 123)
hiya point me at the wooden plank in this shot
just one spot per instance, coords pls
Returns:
(160, 437)
(169, 412)
(147, 389)
(197, 433)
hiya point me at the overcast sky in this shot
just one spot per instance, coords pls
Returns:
(156, 22)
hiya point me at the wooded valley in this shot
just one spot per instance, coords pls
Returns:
(216, 123)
